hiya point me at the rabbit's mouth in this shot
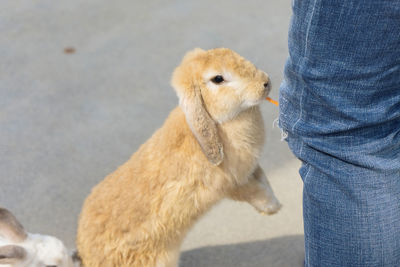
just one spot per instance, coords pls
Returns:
(252, 103)
(259, 99)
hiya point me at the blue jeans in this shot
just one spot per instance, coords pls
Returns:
(340, 105)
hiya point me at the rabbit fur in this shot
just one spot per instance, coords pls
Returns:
(206, 150)
(21, 249)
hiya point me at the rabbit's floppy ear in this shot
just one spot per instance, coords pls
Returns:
(187, 82)
(202, 125)
(11, 254)
(10, 228)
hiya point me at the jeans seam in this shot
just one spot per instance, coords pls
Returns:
(306, 254)
(301, 109)
(309, 27)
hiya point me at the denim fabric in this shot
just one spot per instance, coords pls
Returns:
(340, 105)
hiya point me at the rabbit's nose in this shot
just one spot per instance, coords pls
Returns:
(267, 85)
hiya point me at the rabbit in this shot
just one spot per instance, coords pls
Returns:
(206, 150)
(21, 249)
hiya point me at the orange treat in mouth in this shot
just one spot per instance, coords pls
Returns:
(272, 101)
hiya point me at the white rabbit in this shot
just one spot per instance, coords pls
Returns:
(21, 249)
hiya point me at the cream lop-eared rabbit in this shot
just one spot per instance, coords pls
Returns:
(21, 249)
(206, 150)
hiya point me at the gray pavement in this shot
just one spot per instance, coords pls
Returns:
(69, 119)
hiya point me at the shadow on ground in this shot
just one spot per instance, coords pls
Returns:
(278, 252)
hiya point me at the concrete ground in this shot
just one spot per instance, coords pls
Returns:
(84, 83)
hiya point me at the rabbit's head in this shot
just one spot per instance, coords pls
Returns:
(21, 249)
(213, 87)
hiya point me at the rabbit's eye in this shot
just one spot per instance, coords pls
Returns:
(217, 79)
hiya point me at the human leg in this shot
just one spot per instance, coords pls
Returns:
(340, 104)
